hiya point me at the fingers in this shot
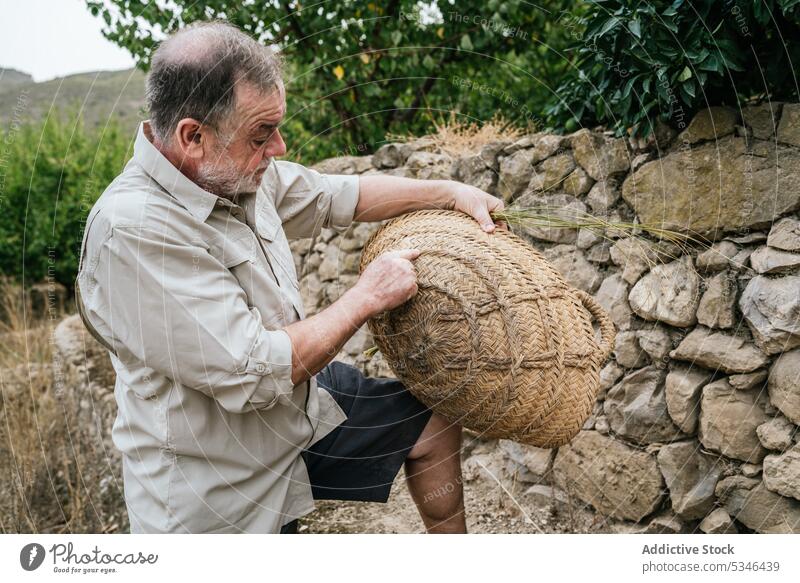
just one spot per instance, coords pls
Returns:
(405, 253)
(481, 215)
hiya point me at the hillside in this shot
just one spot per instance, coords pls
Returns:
(99, 95)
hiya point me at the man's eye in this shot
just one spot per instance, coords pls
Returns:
(259, 143)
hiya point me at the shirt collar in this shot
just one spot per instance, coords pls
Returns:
(198, 201)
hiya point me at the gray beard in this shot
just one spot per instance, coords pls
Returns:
(225, 180)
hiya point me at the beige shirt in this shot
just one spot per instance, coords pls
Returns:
(192, 291)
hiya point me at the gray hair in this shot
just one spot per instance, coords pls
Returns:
(194, 72)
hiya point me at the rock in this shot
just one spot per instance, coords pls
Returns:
(749, 188)
(789, 128)
(745, 382)
(392, 155)
(599, 156)
(561, 206)
(762, 119)
(710, 124)
(601, 425)
(430, 166)
(717, 257)
(573, 265)
(683, 387)
(717, 306)
(771, 308)
(76, 349)
(776, 434)
(664, 523)
(475, 170)
(577, 183)
(330, 269)
(600, 253)
(719, 351)
(524, 142)
(785, 235)
(529, 463)
(627, 351)
(552, 173)
(616, 479)
(603, 195)
(542, 495)
(718, 522)
(750, 470)
(587, 238)
(784, 385)
(691, 477)
(637, 408)
(637, 162)
(613, 297)
(782, 473)
(669, 293)
(609, 375)
(344, 165)
(768, 260)
(763, 511)
(515, 174)
(728, 421)
(545, 146)
(636, 256)
(656, 343)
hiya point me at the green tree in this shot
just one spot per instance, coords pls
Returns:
(358, 70)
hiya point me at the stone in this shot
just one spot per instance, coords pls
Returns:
(745, 382)
(545, 146)
(475, 171)
(768, 260)
(691, 477)
(776, 434)
(77, 350)
(392, 155)
(637, 408)
(562, 206)
(618, 480)
(577, 182)
(528, 463)
(636, 255)
(762, 119)
(789, 128)
(430, 166)
(601, 157)
(785, 235)
(330, 269)
(637, 162)
(750, 470)
(515, 174)
(612, 295)
(523, 143)
(683, 387)
(710, 124)
(782, 473)
(728, 421)
(601, 425)
(599, 253)
(543, 495)
(719, 351)
(655, 341)
(603, 195)
(587, 238)
(717, 257)
(717, 307)
(609, 375)
(344, 165)
(664, 523)
(552, 173)
(627, 351)
(573, 265)
(668, 293)
(763, 511)
(718, 521)
(749, 188)
(771, 308)
(784, 385)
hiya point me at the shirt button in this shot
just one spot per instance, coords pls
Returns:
(261, 368)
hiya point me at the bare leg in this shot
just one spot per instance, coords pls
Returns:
(433, 476)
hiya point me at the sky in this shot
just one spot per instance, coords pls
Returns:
(54, 38)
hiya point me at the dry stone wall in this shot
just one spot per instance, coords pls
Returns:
(695, 427)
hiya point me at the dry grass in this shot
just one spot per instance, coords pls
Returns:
(51, 480)
(459, 138)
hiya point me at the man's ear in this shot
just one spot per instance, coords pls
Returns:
(191, 138)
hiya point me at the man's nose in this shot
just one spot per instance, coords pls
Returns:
(276, 147)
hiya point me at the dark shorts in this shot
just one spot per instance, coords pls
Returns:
(360, 459)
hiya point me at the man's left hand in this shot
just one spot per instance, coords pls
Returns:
(476, 203)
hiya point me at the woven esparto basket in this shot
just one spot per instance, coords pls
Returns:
(494, 339)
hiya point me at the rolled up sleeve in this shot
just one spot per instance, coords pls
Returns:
(177, 309)
(307, 201)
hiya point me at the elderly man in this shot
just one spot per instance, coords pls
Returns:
(231, 418)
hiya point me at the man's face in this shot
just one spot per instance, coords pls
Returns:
(244, 145)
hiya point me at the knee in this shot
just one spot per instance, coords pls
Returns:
(440, 438)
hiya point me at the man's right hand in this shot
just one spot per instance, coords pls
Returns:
(389, 280)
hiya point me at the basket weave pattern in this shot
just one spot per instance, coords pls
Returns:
(495, 339)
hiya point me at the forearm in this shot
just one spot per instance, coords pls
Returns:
(318, 339)
(384, 197)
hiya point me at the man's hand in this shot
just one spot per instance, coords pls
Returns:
(476, 203)
(388, 281)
